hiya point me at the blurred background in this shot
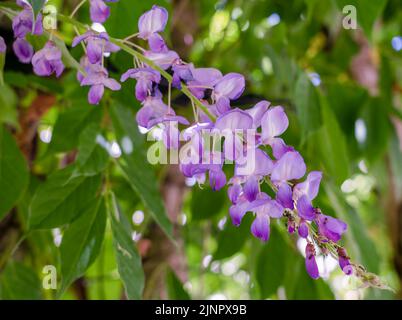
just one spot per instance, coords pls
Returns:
(341, 89)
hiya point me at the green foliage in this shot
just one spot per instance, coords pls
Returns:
(19, 282)
(62, 199)
(82, 242)
(76, 187)
(13, 172)
(128, 259)
(271, 264)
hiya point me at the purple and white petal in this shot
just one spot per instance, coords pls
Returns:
(291, 166)
(273, 123)
(152, 21)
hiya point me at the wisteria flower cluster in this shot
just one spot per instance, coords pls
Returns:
(211, 93)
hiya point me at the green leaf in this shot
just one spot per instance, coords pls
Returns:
(13, 172)
(127, 256)
(307, 105)
(2, 63)
(71, 123)
(367, 12)
(19, 282)
(37, 5)
(135, 165)
(175, 287)
(206, 203)
(62, 198)
(232, 239)
(82, 242)
(378, 127)
(332, 144)
(92, 157)
(271, 264)
(8, 106)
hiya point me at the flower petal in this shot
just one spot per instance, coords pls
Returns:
(291, 166)
(274, 123)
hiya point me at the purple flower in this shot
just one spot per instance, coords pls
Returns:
(3, 46)
(273, 124)
(99, 11)
(23, 23)
(311, 264)
(257, 112)
(157, 43)
(330, 227)
(238, 210)
(152, 21)
(97, 45)
(305, 209)
(284, 196)
(279, 148)
(309, 187)
(229, 87)
(204, 78)
(152, 108)
(23, 50)
(182, 72)
(48, 60)
(146, 78)
(234, 191)
(98, 79)
(230, 124)
(163, 59)
(303, 229)
(291, 166)
(260, 227)
(344, 261)
(253, 170)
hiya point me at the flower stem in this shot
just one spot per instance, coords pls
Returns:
(77, 8)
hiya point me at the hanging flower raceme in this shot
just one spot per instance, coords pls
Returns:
(251, 137)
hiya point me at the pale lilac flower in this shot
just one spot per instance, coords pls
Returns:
(163, 59)
(309, 187)
(182, 72)
(290, 167)
(97, 45)
(273, 124)
(229, 87)
(311, 264)
(23, 50)
(204, 79)
(152, 21)
(252, 171)
(99, 11)
(48, 60)
(257, 112)
(231, 124)
(23, 23)
(146, 79)
(152, 108)
(98, 79)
